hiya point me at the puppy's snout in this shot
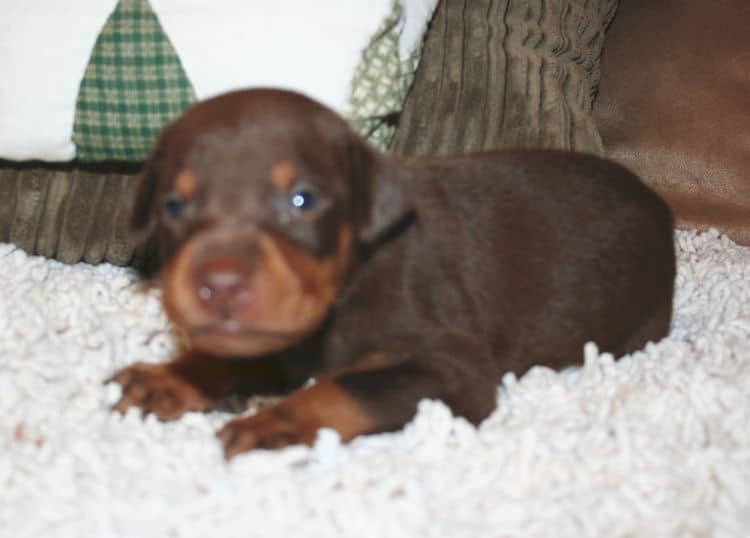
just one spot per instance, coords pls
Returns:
(225, 284)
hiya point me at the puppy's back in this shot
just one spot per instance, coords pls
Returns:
(562, 249)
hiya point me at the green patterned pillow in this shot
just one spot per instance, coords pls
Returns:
(381, 82)
(135, 83)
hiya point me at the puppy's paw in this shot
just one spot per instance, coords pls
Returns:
(157, 389)
(271, 428)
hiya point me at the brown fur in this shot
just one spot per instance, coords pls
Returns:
(185, 184)
(283, 175)
(297, 419)
(406, 279)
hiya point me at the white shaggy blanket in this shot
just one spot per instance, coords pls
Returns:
(654, 445)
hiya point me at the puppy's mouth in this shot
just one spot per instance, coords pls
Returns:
(229, 337)
(233, 327)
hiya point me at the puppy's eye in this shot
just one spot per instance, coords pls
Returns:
(303, 200)
(174, 206)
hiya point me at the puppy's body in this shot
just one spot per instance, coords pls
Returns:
(411, 278)
(514, 259)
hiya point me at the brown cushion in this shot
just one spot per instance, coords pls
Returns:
(674, 106)
(507, 73)
(71, 212)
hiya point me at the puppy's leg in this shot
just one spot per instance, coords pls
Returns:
(375, 399)
(193, 382)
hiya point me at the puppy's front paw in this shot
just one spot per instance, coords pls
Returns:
(271, 428)
(297, 419)
(156, 389)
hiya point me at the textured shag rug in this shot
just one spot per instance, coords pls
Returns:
(656, 444)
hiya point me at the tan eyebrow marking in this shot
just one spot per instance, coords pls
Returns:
(283, 175)
(185, 183)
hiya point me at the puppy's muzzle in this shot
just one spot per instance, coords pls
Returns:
(224, 284)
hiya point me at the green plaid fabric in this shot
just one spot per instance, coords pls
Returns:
(381, 82)
(134, 84)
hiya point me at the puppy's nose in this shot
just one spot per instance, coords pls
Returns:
(224, 284)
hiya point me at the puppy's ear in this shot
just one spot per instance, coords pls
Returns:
(141, 210)
(379, 191)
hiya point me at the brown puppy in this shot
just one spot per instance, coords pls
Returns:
(289, 249)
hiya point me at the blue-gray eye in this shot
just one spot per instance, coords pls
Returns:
(303, 200)
(174, 206)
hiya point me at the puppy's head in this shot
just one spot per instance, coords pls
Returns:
(254, 201)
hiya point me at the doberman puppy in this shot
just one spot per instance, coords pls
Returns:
(289, 249)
